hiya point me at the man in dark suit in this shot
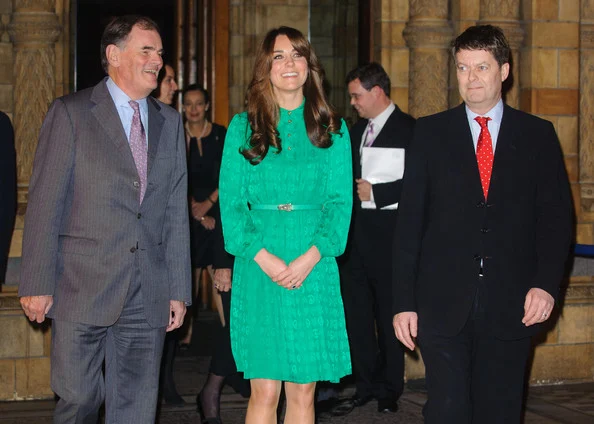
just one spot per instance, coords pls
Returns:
(481, 241)
(106, 244)
(7, 190)
(378, 361)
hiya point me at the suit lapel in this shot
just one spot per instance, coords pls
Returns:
(155, 125)
(106, 114)
(463, 150)
(386, 137)
(504, 153)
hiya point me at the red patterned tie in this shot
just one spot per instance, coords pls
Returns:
(484, 153)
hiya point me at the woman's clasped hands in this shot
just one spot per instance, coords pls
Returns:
(289, 276)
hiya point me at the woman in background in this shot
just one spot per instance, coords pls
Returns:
(166, 89)
(166, 85)
(286, 199)
(205, 148)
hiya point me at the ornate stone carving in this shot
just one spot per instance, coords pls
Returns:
(586, 143)
(428, 34)
(587, 194)
(587, 36)
(428, 82)
(47, 5)
(9, 303)
(575, 293)
(33, 35)
(428, 8)
(587, 11)
(28, 29)
(505, 9)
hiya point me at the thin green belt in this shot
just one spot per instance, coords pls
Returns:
(287, 207)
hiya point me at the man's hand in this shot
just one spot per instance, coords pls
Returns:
(405, 326)
(177, 311)
(222, 279)
(36, 307)
(271, 265)
(298, 270)
(363, 189)
(537, 307)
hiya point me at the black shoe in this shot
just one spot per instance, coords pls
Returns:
(203, 419)
(346, 406)
(387, 405)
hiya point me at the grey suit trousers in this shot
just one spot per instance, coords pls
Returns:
(132, 352)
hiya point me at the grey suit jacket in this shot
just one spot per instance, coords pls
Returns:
(86, 234)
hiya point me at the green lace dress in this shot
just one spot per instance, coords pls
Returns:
(291, 335)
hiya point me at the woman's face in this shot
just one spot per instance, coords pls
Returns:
(194, 106)
(289, 69)
(168, 86)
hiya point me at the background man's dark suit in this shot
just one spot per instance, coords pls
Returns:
(368, 290)
(7, 189)
(522, 234)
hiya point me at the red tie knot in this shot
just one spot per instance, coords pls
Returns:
(482, 121)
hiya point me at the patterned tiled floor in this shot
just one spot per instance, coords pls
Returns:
(561, 404)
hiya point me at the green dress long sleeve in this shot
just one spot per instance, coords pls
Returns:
(291, 335)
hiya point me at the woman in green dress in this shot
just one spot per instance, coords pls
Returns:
(286, 197)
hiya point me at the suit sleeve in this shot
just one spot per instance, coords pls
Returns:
(331, 235)
(176, 233)
(408, 233)
(554, 214)
(385, 194)
(52, 169)
(242, 239)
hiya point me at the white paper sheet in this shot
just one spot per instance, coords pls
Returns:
(381, 165)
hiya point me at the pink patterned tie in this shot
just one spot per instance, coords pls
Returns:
(138, 147)
(484, 153)
(369, 135)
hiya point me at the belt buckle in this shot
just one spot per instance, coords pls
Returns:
(287, 207)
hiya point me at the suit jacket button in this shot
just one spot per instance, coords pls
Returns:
(139, 216)
(136, 184)
(480, 204)
(485, 230)
(132, 249)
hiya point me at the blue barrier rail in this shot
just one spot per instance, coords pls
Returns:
(583, 250)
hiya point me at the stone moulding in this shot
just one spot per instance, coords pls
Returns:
(9, 302)
(428, 34)
(586, 36)
(578, 292)
(32, 28)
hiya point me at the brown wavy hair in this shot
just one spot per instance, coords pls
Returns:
(263, 110)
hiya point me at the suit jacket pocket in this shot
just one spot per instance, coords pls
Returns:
(78, 246)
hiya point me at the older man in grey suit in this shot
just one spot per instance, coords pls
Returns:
(105, 249)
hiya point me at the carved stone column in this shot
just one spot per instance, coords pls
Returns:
(506, 15)
(33, 30)
(586, 140)
(428, 34)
